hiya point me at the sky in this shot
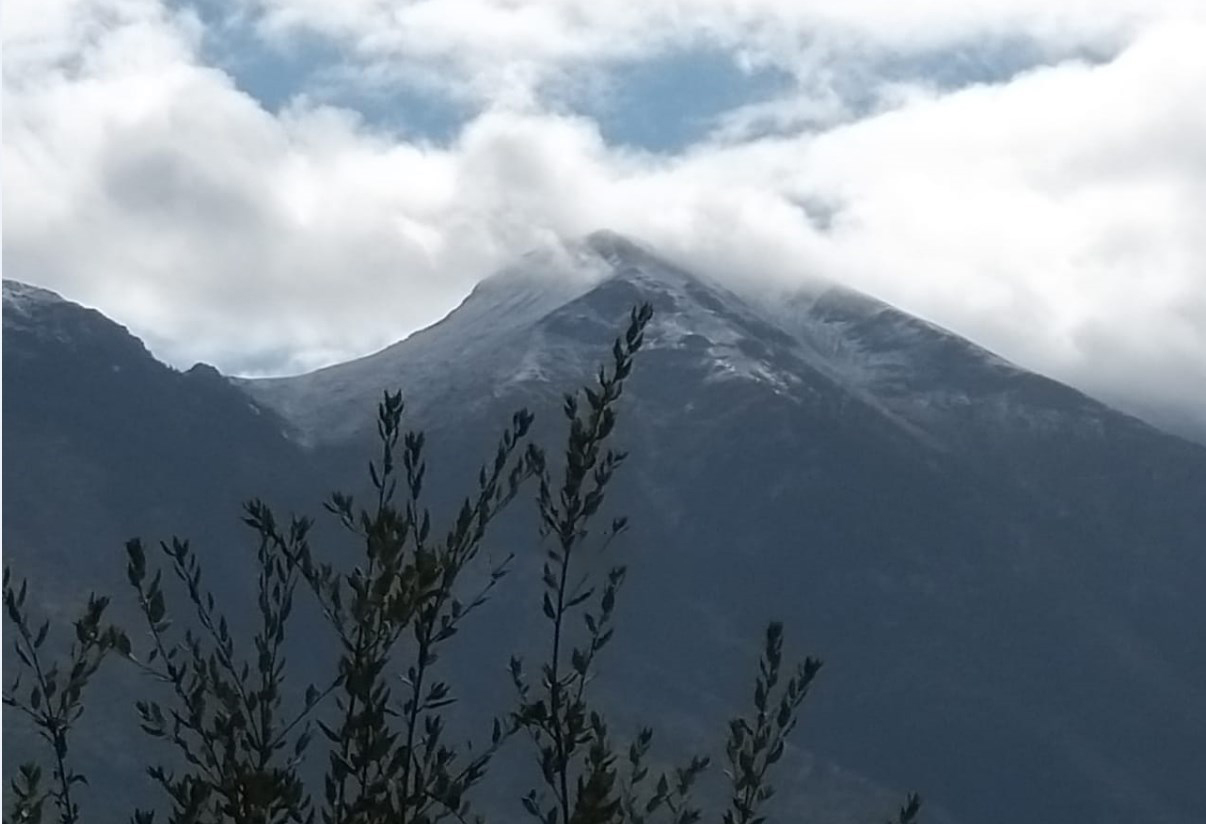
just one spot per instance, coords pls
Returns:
(271, 186)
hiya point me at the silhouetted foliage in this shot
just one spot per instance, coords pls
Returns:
(756, 744)
(911, 811)
(382, 715)
(53, 698)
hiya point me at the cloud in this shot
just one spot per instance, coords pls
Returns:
(1049, 213)
(511, 51)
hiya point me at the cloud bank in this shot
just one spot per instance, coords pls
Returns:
(1047, 207)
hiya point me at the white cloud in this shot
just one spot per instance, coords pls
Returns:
(508, 49)
(1052, 217)
(1031, 214)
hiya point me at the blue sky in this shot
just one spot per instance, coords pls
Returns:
(274, 185)
(661, 102)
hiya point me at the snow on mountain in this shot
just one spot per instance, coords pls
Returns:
(486, 339)
(544, 319)
(864, 341)
(691, 313)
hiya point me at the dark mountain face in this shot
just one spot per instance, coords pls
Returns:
(1002, 575)
(102, 440)
(103, 443)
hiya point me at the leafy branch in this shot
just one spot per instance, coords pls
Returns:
(54, 700)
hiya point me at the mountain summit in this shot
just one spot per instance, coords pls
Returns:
(542, 320)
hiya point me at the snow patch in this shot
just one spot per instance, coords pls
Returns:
(732, 363)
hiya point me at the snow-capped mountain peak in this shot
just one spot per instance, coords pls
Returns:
(547, 319)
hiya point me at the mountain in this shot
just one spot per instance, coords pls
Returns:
(535, 322)
(1002, 574)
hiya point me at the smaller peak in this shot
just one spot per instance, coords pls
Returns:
(205, 371)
